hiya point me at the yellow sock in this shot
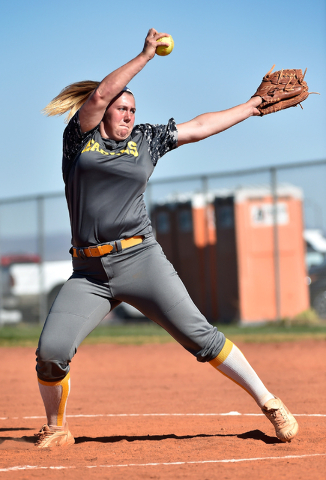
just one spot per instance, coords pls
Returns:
(233, 364)
(55, 396)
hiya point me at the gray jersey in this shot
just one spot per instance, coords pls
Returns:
(105, 180)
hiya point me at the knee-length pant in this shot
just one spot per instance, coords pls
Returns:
(141, 276)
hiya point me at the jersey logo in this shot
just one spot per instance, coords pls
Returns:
(93, 146)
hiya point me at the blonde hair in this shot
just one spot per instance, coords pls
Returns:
(71, 99)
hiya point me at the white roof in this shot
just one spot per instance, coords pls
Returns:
(240, 194)
(260, 191)
(316, 239)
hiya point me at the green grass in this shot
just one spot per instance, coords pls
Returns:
(141, 333)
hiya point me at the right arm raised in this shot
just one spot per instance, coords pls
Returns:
(91, 113)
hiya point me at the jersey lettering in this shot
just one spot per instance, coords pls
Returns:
(133, 148)
(104, 152)
(94, 146)
(88, 146)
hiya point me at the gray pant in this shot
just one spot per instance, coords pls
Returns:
(141, 276)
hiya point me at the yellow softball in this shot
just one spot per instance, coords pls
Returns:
(161, 50)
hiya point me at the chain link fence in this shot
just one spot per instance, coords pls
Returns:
(220, 231)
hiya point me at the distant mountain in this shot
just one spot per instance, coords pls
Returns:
(56, 247)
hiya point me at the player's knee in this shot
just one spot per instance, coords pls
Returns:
(213, 346)
(51, 371)
(51, 363)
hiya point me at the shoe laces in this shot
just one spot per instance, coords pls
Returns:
(278, 416)
(43, 434)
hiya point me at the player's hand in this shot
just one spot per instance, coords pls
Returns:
(254, 102)
(151, 42)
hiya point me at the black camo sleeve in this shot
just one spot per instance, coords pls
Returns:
(160, 138)
(73, 138)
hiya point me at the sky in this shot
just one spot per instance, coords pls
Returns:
(222, 51)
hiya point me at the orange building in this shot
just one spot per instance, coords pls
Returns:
(222, 246)
(186, 231)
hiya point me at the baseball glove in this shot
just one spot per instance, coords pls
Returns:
(281, 89)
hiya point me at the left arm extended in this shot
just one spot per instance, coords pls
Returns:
(209, 124)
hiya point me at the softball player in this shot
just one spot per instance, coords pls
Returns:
(107, 162)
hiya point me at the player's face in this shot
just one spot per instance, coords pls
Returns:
(119, 118)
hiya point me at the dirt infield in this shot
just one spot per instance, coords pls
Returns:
(135, 413)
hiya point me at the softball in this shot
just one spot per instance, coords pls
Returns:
(162, 51)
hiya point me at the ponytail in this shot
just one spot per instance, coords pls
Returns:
(71, 99)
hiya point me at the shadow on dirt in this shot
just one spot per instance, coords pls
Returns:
(146, 438)
(14, 429)
(258, 435)
(17, 440)
(22, 439)
(254, 434)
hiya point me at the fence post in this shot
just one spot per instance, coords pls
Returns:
(1, 275)
(41, 252)
(273, 173)
(207, 280)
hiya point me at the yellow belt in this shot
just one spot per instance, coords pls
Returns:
(100, 250)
